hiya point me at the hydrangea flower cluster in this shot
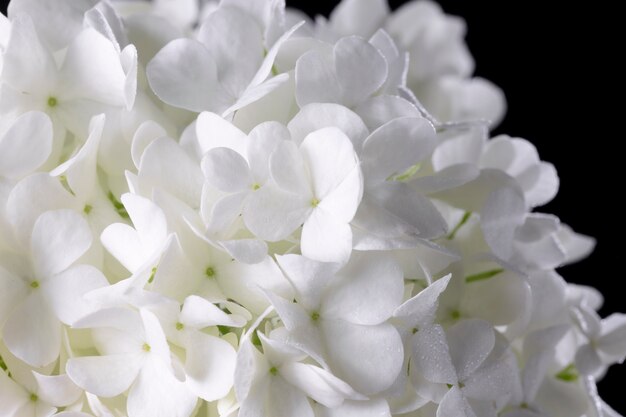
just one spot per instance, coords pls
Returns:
(232, 210)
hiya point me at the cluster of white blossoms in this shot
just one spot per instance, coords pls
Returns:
(231, 210)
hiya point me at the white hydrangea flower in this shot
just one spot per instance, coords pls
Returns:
(214, 209)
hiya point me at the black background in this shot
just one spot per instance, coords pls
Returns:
(557, 64)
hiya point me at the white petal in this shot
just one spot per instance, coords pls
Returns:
(122, 241)
(455, 404)
(59, 238)
(58, 390)
(146, 133)
(503, 212)
(285, 400)
(166, 166)
(58, 21)
(104, 376)
(369, 408)
(209, 366)
(226, 170)
(12, 395)
(379, 110)
(34, 71)
(494, 379)
(31, 197)
(224, 213)
(369, 358)
(272, 214)
(395, 147)
(310, 278)
(155, 337)
(358, 17)
(91, 57)
(499, 300)
(576, 246)
(421, 309)
(316, 116)
(361, 69)
(26, 145)
(228, 34)
(326, 238)
(372, 288)
(248, 251)
(288, 170)
(470, 342)
(13, 290)
(32, 332)
(262, 141)
(157, 393)
(199, 313)
(213, 131)
(183, 74)
(316, 78)
(317, 383)
(65, 292)
(613, 339)
(431, 356)
(330, 157)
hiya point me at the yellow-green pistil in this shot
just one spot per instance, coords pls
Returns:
(146, 347)
(34, 284)
(315, 202)
(52, 101)
(210, 272)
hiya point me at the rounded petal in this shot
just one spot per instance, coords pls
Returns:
(316, 116)
(32, 332)
(371, 289)
(209, 366)
(183, 74)
(503, 212)
(199, 313)
(369, 358)
(317, 383)
(316, 79)
(330, 157)
(157, 392)
(226, 170)
(395, 147)
(26, 145)
(59, 238)
(65, 292)
(104, 376)
(58, 390)
(361, 69)
(470, 342)
(326, 238)
(272, 214)
(455, 404)
(431, 356)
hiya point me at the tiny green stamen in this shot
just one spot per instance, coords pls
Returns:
(415, 330)
(464, 219)
(34, 397)
(34, 284)
(256, 186)
(483, 275)
(52, 101)
(152, 274)
(315, 202)
(87, 209)
(146, 347)
(180, 326)
(119, 207)
(274, 371)
(315, 316)
(455, 314)
(210, 272)
(568, 374)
